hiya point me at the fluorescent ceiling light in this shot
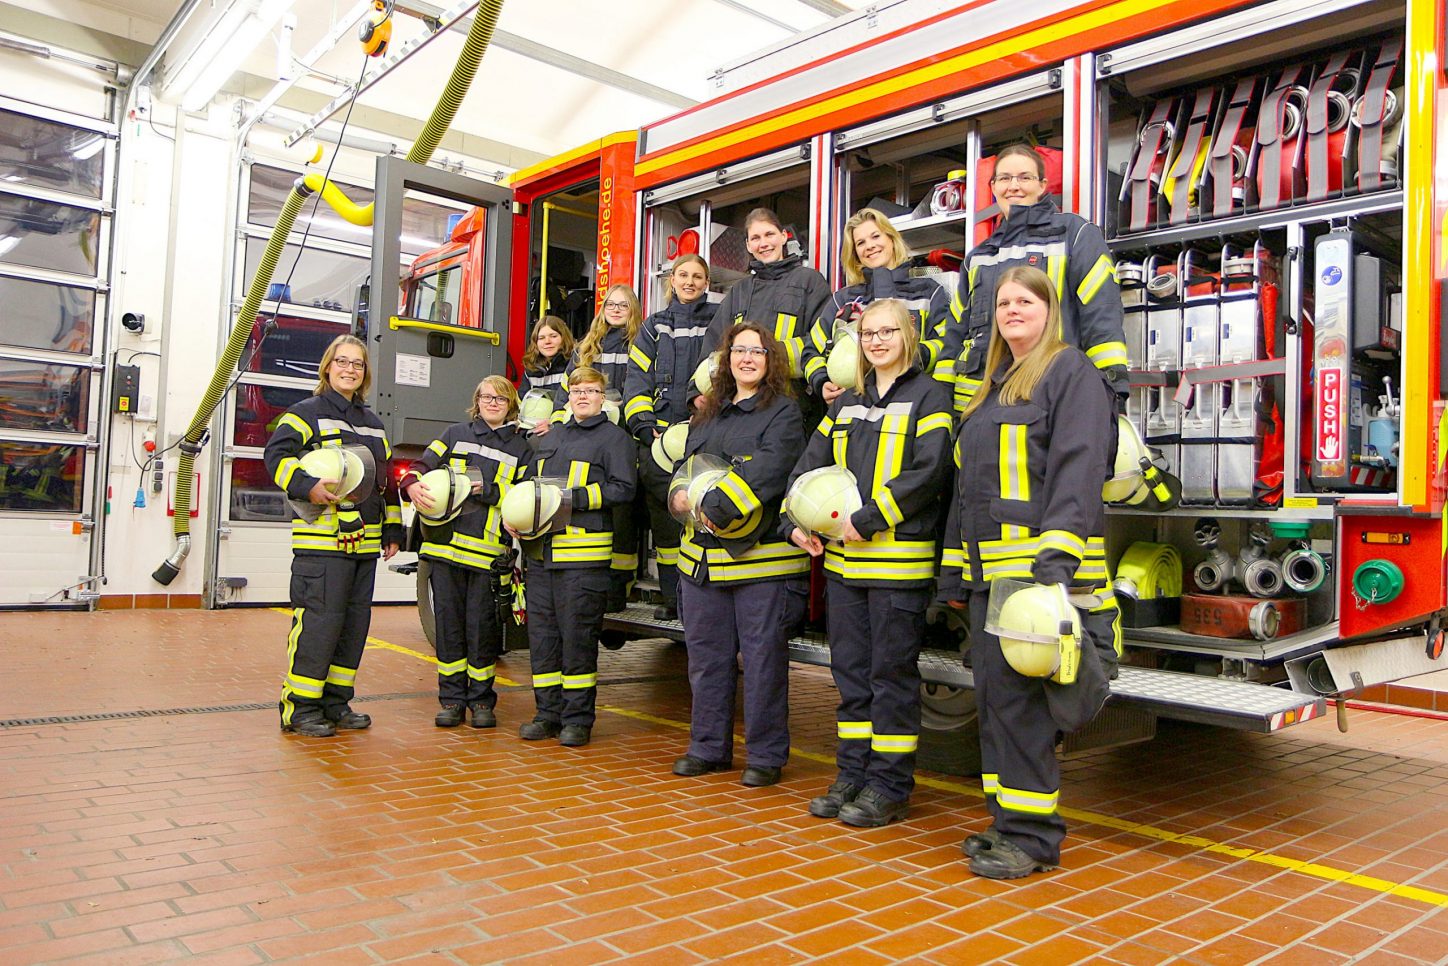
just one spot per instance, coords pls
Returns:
(221, 49)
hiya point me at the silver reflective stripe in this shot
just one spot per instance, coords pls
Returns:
(1018, 253)
(551, 380)
(337, 425)
(691, 333)
(507, 459)
(916, 305)
(873, 414)
(613, 358)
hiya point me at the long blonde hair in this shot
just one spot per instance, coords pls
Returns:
(533, 359)
(592, 344)
(854, 271)
(500, 387)
(323, 383)
(684, 260)
(1024, 375)
(895, 311)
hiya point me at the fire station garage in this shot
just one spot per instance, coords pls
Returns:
(689, 481)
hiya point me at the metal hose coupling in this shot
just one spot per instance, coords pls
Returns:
(1303, 569)
(171, 566)
(1260, 574)
(1213, 573)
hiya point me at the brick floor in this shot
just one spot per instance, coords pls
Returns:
(210, 837)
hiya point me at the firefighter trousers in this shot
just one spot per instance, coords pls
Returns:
(665, 529)
(753, 619)
(468, 635)
(331, 599)
(1021, 719)
(627, 537)
(565, 617)
(875, 635)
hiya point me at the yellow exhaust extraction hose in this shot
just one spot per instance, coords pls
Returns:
(480, 35)
(1149, 570)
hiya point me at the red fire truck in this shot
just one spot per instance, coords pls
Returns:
(1267, 178)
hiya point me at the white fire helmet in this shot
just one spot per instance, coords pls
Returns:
(613, 405)
(1135, 479)
(530, 506)
(668, 447)
(349, 466)
(691, 482)
(1038, 627)
(449, 489)
(823, 500)
(705, 372)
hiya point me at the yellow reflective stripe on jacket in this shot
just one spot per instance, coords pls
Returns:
(624, 561)
(392, 515)
(849, 730)
(1056, 269)
(759, 561)
(954, 557)
(739, 493)
(889, 459)
(640, 358)
(932, 422)
(668, 556)
(552, 679)
(595, 496)
(883, 560)
(582, 548)
(784, 325)
(578, 682)
(743, 525)
(438, 447)
(1064, 541)
(286, 469)
(297, 423)
(1033, 803)
(638, 405)
(894, 744)
(1091, 284)
(1108, 354)
(577, 473)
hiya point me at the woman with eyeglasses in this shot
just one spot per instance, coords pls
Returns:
(469, 637)
(605, 348)
(1068, 248)
(876, 261)
(743, 588)
(658, 393)
(893, 434)
(780, 291)
(336, 539)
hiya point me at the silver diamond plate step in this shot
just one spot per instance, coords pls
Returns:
(1170, 694)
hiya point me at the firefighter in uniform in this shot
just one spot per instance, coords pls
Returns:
(334, 558)
(782, 291)
(658, 392)
(894, 436)
(463, 550)
(546, 359)
(875, 260)
(605, 348)
(1067, 247)
(1034, 448)
(743, 586)
(567, 570)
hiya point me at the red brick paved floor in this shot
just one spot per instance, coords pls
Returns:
(210, 837)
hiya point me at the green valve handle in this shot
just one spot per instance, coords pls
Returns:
(1377, 581)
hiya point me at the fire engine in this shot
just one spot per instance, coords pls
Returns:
(1266, 176)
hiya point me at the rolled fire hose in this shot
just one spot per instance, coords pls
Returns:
(1149, 570)
(480, 35)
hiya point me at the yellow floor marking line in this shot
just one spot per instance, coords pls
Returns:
(1315, 869)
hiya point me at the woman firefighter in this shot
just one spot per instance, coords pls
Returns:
(343, 520)
(1068, 248)
(743, 587)
(889, 442)
(1025, 555)
(486, 454)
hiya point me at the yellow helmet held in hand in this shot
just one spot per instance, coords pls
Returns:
(342, 464)
(535, 409)
(705, 372)
(823, 500)
(843, 362)
(668, 446)
(449, 489)
(691, 482)
(530, 506)
(1038, 628)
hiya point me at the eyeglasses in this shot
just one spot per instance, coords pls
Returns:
(1024, 180)
(586, 391)
(879, 335)
(488, 400)
(356, 365)
(748, 350)
(617, 306)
